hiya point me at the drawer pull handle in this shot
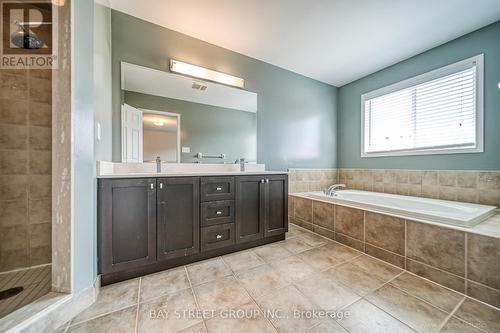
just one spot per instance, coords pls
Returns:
(218, 212)
(219, 188)
(218, 237)
(152, 186)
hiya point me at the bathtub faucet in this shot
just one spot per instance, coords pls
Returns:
(332, 190)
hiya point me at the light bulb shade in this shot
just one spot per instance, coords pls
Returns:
(205, 74)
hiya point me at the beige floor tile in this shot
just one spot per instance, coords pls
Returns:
(296, 229)
(117, 322)
(314, 240)
(326, 293)
(242, 260)
(261, 280)
(438, 296)
(166, 282)
(111, 298)
(207, 270)
(221, 295)
(327, 327)
(198, 328)
(170, 313)
(292, 268)
(247, 318)
(271, 251)
(455, 325)
(376, 267)
(287, 302)
(355, 278)
(295, 245)
(367, 318)
(320, 258)
(341, 251)
(479, 315)
(415, 313)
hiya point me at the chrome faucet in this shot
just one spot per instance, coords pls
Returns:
(242, 164)
(158, 164)
(332, 190)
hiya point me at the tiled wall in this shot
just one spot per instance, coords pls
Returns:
(462, 261)
(25, 168)
(304, 180)
(466, 186)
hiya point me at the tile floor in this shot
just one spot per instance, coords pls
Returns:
(36, 282)
(304, 284)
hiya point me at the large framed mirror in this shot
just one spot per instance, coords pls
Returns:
(184, 120)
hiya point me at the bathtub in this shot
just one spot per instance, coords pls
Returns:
(432, 210)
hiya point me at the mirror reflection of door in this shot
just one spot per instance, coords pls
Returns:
(161, 136)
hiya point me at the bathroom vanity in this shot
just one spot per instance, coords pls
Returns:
(151, 223)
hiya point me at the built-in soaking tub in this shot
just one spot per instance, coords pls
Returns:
(440, 211)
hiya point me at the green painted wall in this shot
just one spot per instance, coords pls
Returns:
(207, 129)
(296, 117)
(487, 41)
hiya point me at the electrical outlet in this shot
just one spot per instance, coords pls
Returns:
(186, 149)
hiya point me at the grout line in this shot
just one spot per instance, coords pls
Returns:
(466, 268)
(445, 321)
(137, 309)
(195, 298)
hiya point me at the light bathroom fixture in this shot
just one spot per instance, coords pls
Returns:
(205, 74)
(158, 123)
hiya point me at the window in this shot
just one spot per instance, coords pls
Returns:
(439, 112)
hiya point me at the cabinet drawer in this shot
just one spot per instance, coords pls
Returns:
(217, 212)
(217, 188)
(217, 236)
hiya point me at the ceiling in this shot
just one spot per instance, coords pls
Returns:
(333, 41)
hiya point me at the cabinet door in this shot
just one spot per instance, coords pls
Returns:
(276, 205)
(178, 217)
(127, 223)
(249, 208)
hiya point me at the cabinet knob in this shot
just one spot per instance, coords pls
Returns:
(218, 236)
(152, 186)
(267, 180)
(219, 188)
(161, 185)
(218, 212)
(262, 181)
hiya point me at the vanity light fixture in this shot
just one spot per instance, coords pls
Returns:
(158, 123)
(205, 74)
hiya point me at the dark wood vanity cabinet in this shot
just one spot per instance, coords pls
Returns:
(150, 224)
(178, 223)
(127, 223)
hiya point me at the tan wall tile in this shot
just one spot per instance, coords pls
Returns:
(351, 242)
(350, 222)
(430, 178)
(483, 260)
(447, 178)
(489, 197)
(483, 293)
(290, 205)
(323, 232)
(489, 180)
(39, 211)
(40, 162)
(13, 86)
(415, 177)
(13, 162)
(40, 138)
(385, 231)
(40, 255)
(303, 224)
(13, 137)
(40, 90)
(13, 212)
(439, 247)
(40, 235)
(384, 255)
(13, 112)
(13, 187)
(467, 179)
(14, 237)
(40, 187)
(40, 114)
(303, 209)
(444, 278)
(13, 259)
(323, 214)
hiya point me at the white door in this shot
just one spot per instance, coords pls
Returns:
(131, 134)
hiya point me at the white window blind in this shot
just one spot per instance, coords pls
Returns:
(437, 112)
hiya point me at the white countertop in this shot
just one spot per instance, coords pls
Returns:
(192, 174)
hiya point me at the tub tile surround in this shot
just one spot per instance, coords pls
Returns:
(304, 180)
(481, 187)
(463, 261)
(322, 275)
